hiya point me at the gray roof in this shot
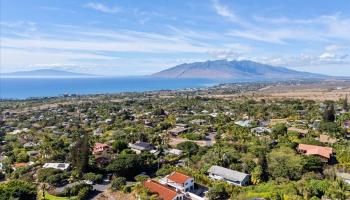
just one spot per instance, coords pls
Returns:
(141, 146)
(177, 130)
(227, 174)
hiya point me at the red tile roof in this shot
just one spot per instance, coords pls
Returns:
(325, 152)
(164, 192)
(99, 147)
(178, 177)
(17, 165)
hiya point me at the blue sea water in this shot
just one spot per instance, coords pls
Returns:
(22, 88)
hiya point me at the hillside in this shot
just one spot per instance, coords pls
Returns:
(223, 69)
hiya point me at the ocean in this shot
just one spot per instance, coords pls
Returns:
(22, 88)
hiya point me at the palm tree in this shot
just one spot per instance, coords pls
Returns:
(339, 190)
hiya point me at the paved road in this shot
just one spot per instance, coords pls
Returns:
(97, 187)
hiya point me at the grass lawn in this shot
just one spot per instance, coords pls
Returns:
(52, 197)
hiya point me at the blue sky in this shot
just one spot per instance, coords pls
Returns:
(142, 37)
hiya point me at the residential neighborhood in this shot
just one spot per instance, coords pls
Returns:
(176, 146)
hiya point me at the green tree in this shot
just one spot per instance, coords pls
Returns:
(329, 113)
(257, 175)
(329, 127)
(189, 148)
(339, 190)
(17, 189)
(80, 153)
(285, 163)
(127, 165)
(217, 192)
(22, 157)
(119, 145)
(96, 178)
(279, 130)
(118, 183)
(313, 163)
(345, 104)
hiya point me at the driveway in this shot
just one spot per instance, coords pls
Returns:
(98, 187)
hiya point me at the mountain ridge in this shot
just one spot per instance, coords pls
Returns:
(223, 69)
(45, 73)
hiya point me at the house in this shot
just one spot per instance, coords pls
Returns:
(179, 181)
(228, 175)
(181, 125)
(100, 148)
(98, 132)
(177, 130)
(19, 165)
(29, 145)
(32, 153)
(108, 121)
(165, 192)
(177, 152)
(327, 139)
(60, 166)
(263, 123)
(138, 147)
(260, 130)
(324, 153)
(244, 123)
(198, 121)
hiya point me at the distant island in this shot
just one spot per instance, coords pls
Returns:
(46, 73)
(223, 69)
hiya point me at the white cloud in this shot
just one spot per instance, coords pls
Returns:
(334, 53)
(224, 11)
(280, 30)
(327, 55)
(225, 54)
(334, 47)
(102, 8)
(227, 14)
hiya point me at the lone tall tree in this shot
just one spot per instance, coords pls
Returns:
(345, 104)
(329, 113)
(80, 153)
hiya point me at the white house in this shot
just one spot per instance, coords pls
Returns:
(243, 123)
(179, 181)
(61, 166)
(165, 192)
(176, 152)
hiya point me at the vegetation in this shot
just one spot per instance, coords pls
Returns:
(93, 135)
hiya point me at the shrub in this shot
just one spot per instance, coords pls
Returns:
(96, 178)
(141, 177)
(74, 190)
(118, 183)
(17, 189)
